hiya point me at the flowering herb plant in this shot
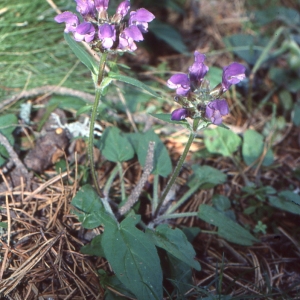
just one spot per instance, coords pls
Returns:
(131, 252)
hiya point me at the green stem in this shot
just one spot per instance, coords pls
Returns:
(179, 164)
(98, 93)
(185, 197)
(109, 181)
(176, 216)
(120, 169)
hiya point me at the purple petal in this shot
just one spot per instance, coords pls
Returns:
(216, 118)
(85, 7)
(70, 19)
(134, 33)
(178, 80)
(181, 83)
(107, 34)
(84, 31)
(84, 28)
(123, 8)
(223, 107)
(215, 110)
(106, 31)
(141, 15)
(140, 18)
(198, 70)
(127, 38)
(101, 5)
(179, 114)
(232, 74)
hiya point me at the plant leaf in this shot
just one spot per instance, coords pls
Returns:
(91, 211)
(227, 228)
(252, 148)
(206, 177)
(8, 123)
(115, 145)
(133, 258)
(162, 164)
(180, 275)
(222, 141)
(296, 114)
(82, 54)
(167, 118)
(133, 82)
(175, 242)
(245, 46)
(287, 201)
(168, 34)
(221, 202)
(116, 285)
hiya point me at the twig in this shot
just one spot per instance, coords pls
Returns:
(133, 198)
(51, 89)
(14, 157)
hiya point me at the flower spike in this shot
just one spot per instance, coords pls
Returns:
(193, 92)
(109, 29)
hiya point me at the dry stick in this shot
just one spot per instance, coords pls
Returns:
(4, 259)
(45, 185)
(47, 89)
(14, 157)
(133, 198)
(8, 221)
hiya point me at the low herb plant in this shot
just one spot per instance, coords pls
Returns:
(135, 249)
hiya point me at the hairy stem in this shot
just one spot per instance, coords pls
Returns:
(179, 165)
(98, 93)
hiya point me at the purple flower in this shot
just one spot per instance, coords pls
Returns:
(128, 36)
(215, 110)
(85, 7)
(84, 31)
(179, 114)
(107, 34)
(181, 83)
(140, 18)
(123, 8)
(95, 18)
(70, 19)
(232, 74)
(198, 70)
(101, 5)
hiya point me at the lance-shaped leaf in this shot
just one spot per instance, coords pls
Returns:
(133, 82)
(82, 54)
(167, 118)
(227, 228)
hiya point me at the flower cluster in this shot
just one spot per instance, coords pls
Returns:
(195, 96)
(106, 33)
